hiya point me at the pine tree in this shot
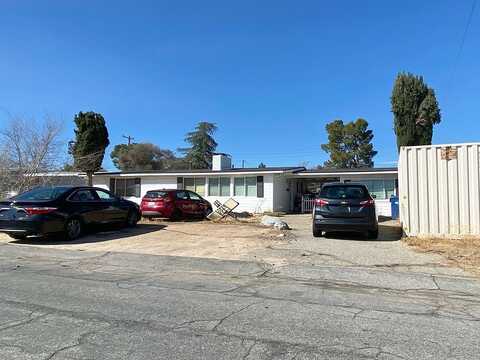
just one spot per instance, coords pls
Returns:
(91, 140)
(415, 110)
(349, 145)
(203, 145)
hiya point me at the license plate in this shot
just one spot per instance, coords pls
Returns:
(151, 204)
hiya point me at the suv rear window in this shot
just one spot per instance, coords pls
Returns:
(156, 194)
(344, 192)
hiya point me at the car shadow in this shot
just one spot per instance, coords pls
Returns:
(104, 233)
(386, 233)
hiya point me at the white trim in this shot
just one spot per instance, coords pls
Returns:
(439, 145)
(361, 173)
(61, 173)
(219, 173)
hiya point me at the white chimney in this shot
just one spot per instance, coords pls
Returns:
(221, 162)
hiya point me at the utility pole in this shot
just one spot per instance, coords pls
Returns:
(129, 138)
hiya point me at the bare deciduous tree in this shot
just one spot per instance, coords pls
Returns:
(28, 149)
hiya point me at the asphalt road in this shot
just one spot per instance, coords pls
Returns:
(60, 304)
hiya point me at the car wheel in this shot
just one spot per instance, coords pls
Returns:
(207, 212)
(73, 229)
(132, 219)
(317, 232)
(373, 234)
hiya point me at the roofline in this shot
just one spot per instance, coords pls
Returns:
(201, 173)
(360, 171)
(439, 145)
(60, 173)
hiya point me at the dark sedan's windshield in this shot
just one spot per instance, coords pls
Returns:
(338, 192)
(41, 193)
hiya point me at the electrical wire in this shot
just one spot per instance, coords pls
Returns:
(460, 49)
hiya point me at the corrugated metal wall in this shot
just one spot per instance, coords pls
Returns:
(439, 189)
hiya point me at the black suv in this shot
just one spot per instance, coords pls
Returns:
(345, 207)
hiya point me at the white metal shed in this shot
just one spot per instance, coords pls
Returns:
(439, 189)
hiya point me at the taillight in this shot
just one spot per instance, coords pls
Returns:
(321, 202)
(39, 210)
(369, 202)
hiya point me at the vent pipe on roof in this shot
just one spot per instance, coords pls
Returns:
(221, 162)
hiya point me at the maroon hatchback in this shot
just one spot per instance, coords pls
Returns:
(174, 204)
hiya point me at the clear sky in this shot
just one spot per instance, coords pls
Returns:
(269, 73)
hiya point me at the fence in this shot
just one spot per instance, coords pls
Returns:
(307, 204)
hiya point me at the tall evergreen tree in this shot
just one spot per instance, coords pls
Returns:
(91, 140)
(349, 145)
(202, 146)
(415, 110)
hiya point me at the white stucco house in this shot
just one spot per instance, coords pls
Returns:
(282, 189)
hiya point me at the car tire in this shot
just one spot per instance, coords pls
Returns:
(207, 212)
(372, 234)
(73, 229)
(316, 232)
(132, 219)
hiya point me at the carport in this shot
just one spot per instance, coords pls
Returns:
(381, 182)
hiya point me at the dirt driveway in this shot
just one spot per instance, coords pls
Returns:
(247, 241)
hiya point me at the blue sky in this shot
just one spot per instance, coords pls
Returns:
(270, 74)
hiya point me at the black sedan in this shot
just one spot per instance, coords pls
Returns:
(63, 210)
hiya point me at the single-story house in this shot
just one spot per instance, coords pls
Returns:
(282, 189)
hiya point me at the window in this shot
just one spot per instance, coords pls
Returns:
(380, 189)
(338, 192)
(195, 184)
(182, 195)
(42, 193)
(219, 186)
(156, 194)
(213, 187)
(194, 196)
(390, 188)
(239, 186)
(189, 184)
(104, 196)
(126, 187)
(251, 185)
(224, 186)
(82, 195)
(245, 186)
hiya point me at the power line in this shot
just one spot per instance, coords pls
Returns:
(460, 50)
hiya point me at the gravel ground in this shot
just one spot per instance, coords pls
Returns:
(252, 242)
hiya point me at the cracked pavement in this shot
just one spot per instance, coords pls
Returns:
(61, 304)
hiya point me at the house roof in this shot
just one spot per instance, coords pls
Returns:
(355, 171)
(295, 170)
(290, 169)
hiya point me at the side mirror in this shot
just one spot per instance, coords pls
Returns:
(374, 196)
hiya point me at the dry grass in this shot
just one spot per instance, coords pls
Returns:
(463, 252)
